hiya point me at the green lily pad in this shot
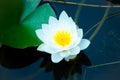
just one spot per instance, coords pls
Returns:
(10, 13)
(22, 34)
(28, 7)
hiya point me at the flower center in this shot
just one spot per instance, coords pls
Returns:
(62, 38)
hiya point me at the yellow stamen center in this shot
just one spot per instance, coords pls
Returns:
(62, 38)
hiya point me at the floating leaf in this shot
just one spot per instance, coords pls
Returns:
(10, 13)
(22, 35)
(29, 6)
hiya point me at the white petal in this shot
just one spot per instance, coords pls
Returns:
(72, 23)
(45, 34)
(44, 26)
(73, 44)
(47, 49)
(63, 16)
(65, 53)
(76, 39)
(75, 50)
(40, 35)
(71, 20)
(56, 57)
(46, 38)
(43, 37)
(80, 33)
(52, 20)
(45, 29)
(70, 57)
(73, 53)
(84, 44)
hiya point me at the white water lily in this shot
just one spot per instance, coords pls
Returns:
(61, 38)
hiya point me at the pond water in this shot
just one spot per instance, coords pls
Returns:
(100, 61)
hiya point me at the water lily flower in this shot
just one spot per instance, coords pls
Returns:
(61, 38)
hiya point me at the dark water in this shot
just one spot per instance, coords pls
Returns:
(100, 61)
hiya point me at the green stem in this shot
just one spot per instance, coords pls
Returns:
(112, 15)
(78, 12)
(88, 5)
(100, 24)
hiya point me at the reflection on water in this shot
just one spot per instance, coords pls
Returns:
(19, 58)
(66, 69)
(114, 1)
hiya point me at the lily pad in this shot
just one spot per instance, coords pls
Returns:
(29, 6)
(21, 34)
